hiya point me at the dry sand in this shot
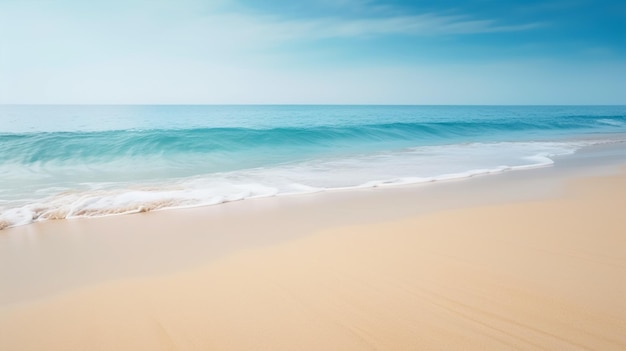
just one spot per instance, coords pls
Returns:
(540, 274)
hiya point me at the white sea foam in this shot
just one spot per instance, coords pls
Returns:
(414, 165)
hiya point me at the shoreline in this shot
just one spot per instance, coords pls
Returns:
(477, 266)
(53, 208)
(127, 246)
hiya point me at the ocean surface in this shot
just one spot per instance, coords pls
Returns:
(59, 162)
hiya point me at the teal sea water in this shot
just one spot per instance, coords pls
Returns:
(60, 162)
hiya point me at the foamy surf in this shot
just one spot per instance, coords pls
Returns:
(401, 167)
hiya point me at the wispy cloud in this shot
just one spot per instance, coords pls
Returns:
(426, 25)
(277, 28)
(364, 19)
(237, 32)
(220, 32)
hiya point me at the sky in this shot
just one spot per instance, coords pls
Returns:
(312, 52)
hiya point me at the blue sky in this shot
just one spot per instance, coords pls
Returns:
(342, 51)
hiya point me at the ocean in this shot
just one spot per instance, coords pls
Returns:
(63, 162)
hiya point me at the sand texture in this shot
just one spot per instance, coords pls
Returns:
(545, 274)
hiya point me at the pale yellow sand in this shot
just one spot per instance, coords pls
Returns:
(547, 274)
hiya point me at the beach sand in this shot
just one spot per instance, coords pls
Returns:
(519, 269)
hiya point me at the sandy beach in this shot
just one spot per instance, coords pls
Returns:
(525, 260)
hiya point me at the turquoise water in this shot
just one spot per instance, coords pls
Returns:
(76, 161)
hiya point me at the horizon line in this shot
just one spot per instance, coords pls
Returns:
(288, 104)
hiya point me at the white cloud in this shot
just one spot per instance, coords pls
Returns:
(265, 28)
(211, 30)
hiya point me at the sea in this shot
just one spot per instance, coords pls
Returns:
(73, 161)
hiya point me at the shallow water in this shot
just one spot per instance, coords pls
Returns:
(78, 161)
